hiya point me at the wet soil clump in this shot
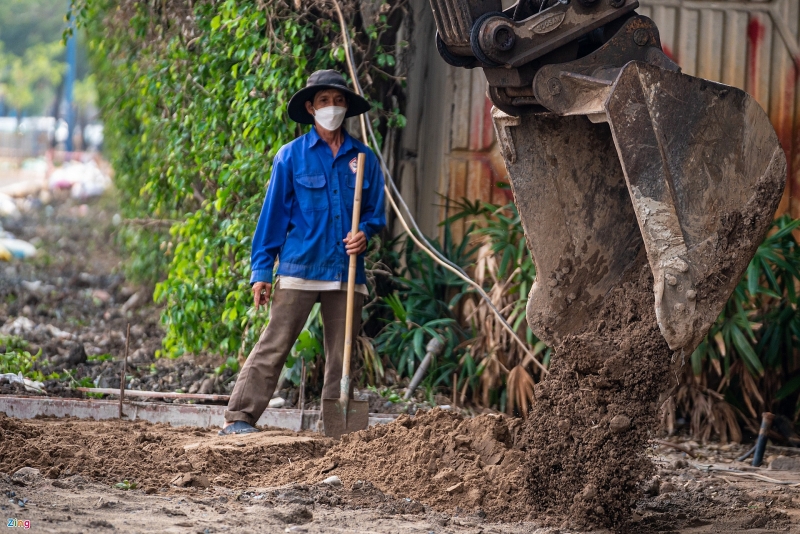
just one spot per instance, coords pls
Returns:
(585, 439)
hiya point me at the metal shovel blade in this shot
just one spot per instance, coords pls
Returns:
(341, 418)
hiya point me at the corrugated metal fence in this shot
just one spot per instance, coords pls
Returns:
(474, 164)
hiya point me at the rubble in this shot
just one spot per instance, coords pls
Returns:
(28, 385)
(26, 476)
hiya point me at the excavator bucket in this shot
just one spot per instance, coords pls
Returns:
(689, 169)
(613, 153)
(576, 213)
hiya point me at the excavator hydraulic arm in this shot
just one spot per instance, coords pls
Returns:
(610, 148)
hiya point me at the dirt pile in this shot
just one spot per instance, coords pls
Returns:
(457, 467)
(153, 455)
(585, 439)
(438, 458)
(679, 499)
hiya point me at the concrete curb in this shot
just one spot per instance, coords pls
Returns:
(197, 415)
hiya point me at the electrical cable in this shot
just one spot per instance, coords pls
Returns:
(391, 191)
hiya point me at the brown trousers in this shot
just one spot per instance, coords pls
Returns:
(290, 308)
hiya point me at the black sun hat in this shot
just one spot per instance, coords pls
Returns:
(318, 81)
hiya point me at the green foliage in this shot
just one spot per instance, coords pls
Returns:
(404, 340)
(749, 356)
(15, 359)
(12, 343)
(430, 301)
(85, 96)
(501, 229)
(28, 81)
(126, 485)
(32, 58)
(194, 105)
(389, 394)
(307, 348)
(100, 357)
(231, 364)
(425, 306)
(149, 250)
(209, 269)
(203, 122)
(25, 23)
(21, 362)
(84, 382)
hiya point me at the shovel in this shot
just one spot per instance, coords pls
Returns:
(343, 415)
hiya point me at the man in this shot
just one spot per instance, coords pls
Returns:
(305, 224)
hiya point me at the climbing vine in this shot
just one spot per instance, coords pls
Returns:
(194, 97)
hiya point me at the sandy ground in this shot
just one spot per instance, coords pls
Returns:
(94, 507)
(76, 500)
(79, 463)
(84, 506)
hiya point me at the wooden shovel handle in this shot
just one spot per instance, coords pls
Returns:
(351, 284)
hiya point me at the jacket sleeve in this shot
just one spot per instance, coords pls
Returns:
(273, 223)
(373, 213)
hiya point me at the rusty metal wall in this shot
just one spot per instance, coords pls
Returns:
(474, 165)
(447, 149)
(425, 141)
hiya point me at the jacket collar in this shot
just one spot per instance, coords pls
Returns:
(314, 139)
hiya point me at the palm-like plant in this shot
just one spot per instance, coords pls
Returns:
(425, 305)
(505, 268)
(748, 361)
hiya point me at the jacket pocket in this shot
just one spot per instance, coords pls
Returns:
(351, 182)
(350, 191)
(310, 191)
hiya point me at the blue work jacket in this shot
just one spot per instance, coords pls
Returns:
(308, 210)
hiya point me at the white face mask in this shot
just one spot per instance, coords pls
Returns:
(330, 117)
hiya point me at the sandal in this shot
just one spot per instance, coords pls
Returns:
(238, 427)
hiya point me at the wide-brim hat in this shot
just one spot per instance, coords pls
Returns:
(319, 81)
